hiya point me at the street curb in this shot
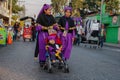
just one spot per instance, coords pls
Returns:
(112, 45)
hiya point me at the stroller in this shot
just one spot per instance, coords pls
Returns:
(54, 56)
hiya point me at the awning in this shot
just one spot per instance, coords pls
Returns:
(4, 17)
(27, 17)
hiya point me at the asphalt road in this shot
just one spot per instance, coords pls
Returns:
(17, 63)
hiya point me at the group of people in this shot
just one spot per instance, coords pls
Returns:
(51, 33)
(89, 29)
(18, 31)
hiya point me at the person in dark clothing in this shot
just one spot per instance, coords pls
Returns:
(33, 32)
(101, 36)
(16, 26)
(36, 49)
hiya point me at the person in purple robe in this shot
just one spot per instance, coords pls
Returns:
(68, 28)
(44, 20)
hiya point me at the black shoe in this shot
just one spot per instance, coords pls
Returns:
(60, 66)
(45, 67)
(42, 63)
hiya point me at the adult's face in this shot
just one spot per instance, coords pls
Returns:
(67, 13)
(48, 11)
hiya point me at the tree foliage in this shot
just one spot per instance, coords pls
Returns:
(86, 6)
(15, 8)
(15, 17)
(113, 5)
(58, 5)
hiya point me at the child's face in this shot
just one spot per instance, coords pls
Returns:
(52, 41)
(52, 31)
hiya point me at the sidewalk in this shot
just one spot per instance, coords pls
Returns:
(112, 45)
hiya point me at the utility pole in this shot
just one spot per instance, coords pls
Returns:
(102, 2)
(10, 14)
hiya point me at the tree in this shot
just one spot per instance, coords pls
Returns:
(86, 6)
(15, 8)
(77, 5)
(113, 6)
(58, 5)
(15, 17)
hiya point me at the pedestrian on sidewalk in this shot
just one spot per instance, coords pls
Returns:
(102, 35)
(68, 32)
(44, 20)
(80, 30)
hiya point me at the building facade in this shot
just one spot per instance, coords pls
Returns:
(4, 11)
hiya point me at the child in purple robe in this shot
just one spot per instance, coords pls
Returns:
(54, 48)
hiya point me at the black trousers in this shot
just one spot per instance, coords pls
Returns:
(36, 48)
(77, 41)
(33, 36)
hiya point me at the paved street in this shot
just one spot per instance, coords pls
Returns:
(17, 63)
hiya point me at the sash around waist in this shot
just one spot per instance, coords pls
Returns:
(69, 31)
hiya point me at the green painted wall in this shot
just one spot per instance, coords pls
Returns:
(112, 35)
